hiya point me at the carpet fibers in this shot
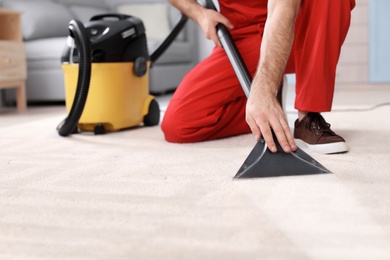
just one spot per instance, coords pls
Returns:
(131, 195)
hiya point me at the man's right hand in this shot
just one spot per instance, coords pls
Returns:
(206, 19)
(263, 113)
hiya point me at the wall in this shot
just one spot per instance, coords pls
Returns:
(353, 63)
(379, 35)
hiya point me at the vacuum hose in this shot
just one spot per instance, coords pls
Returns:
(79, 33)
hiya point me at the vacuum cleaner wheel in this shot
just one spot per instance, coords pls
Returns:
(153, 116)
(99, 129)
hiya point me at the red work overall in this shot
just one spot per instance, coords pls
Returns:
(210, 103)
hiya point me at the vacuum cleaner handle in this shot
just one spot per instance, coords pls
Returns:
(170, 38)
(113, 15)
(235, 58)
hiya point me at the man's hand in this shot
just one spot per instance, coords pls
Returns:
(263, 113)
(208, 20)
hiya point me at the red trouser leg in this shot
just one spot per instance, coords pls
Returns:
(321, 28)
(210, 103)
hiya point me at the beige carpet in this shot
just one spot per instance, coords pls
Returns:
(131, 195)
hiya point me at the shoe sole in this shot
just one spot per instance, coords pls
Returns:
(332, 148)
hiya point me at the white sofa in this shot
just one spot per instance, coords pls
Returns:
(45, 29)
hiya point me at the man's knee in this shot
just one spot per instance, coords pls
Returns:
(168, 127)
(174, 132)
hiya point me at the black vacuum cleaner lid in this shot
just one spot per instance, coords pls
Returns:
(113, 38)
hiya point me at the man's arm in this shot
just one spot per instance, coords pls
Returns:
(263, 111)
(206, 19)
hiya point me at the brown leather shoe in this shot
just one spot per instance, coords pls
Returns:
(315, 132)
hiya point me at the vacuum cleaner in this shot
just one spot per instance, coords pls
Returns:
(106, 72)
(261, 162)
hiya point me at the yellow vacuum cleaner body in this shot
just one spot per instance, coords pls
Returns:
(114, 75)
(117, 98)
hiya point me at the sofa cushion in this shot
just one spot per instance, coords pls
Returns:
(153, 15)
(84, 13)
(177, 52)
(45, 49)
(93, 3)
(174, 15)
(40, 18)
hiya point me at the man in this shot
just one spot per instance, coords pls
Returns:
(274, 37)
